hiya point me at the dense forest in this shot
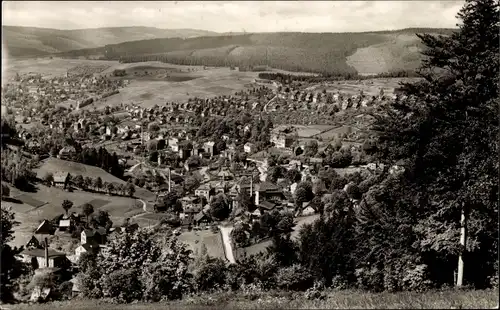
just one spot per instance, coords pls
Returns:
(309, 52)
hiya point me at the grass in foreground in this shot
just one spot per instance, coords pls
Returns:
(448, 299)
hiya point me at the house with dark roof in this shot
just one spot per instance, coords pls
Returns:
(36, 257)
(93, 236)
(34, 243)
(268, 191)
(266, 206)
(201, 219)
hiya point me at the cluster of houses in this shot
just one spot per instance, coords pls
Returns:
(293, 99)
(39, 254)
(29, 90)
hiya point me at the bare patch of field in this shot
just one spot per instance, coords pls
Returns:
(401, 52)
(26, 199)
(97, 203)
(213, 241)
(214, 84)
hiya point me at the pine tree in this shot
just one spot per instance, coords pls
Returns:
(447, 135)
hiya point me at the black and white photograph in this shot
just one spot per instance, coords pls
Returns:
(250, 155)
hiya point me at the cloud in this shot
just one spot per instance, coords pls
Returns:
(226, 16)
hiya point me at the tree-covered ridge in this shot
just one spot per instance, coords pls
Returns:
(310, 52)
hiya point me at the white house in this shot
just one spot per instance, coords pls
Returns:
(249, 147)
(84, 248)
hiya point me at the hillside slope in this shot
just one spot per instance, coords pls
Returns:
(30, 41)
(367, 52)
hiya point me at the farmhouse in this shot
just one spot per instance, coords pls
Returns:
(60, 179)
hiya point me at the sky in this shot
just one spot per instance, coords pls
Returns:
(235, 16)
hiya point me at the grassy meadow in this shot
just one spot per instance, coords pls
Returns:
(445, 299)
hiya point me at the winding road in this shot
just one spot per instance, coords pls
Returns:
(144, 208)
(228, 249)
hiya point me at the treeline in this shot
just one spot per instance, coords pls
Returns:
(100, 158)
(289, 61)
(288, 78)
(17, 170)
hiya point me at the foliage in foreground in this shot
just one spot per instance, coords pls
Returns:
(137, 266)
(10, 268)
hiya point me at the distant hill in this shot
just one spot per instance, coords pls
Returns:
(342, 53)
(30, 41)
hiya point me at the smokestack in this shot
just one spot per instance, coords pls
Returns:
(169, 180)
(46, 253)
(251, 186)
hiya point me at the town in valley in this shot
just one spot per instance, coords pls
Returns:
(159, 166)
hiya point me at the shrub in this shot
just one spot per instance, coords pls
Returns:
(65, 289)
(416, 279)
(211, 274)
(369, 279)
(5, 190)
(295, 277)
(123, 286)
(315, 292)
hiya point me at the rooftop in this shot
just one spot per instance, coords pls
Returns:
(41, 253)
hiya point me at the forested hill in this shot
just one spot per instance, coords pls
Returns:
(366, 52)
(31, 41)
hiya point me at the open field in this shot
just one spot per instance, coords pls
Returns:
(119, 208)
(55, 165)
(335, 132)
(399, 53)
(213, 241)
(347, 299)
(308, 131)
(46, 67)
(185, 81)
(209, 83)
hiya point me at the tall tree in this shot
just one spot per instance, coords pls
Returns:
(11, 268)
(88, 209)
(66, 204)
(98, 183)
(447, 135)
